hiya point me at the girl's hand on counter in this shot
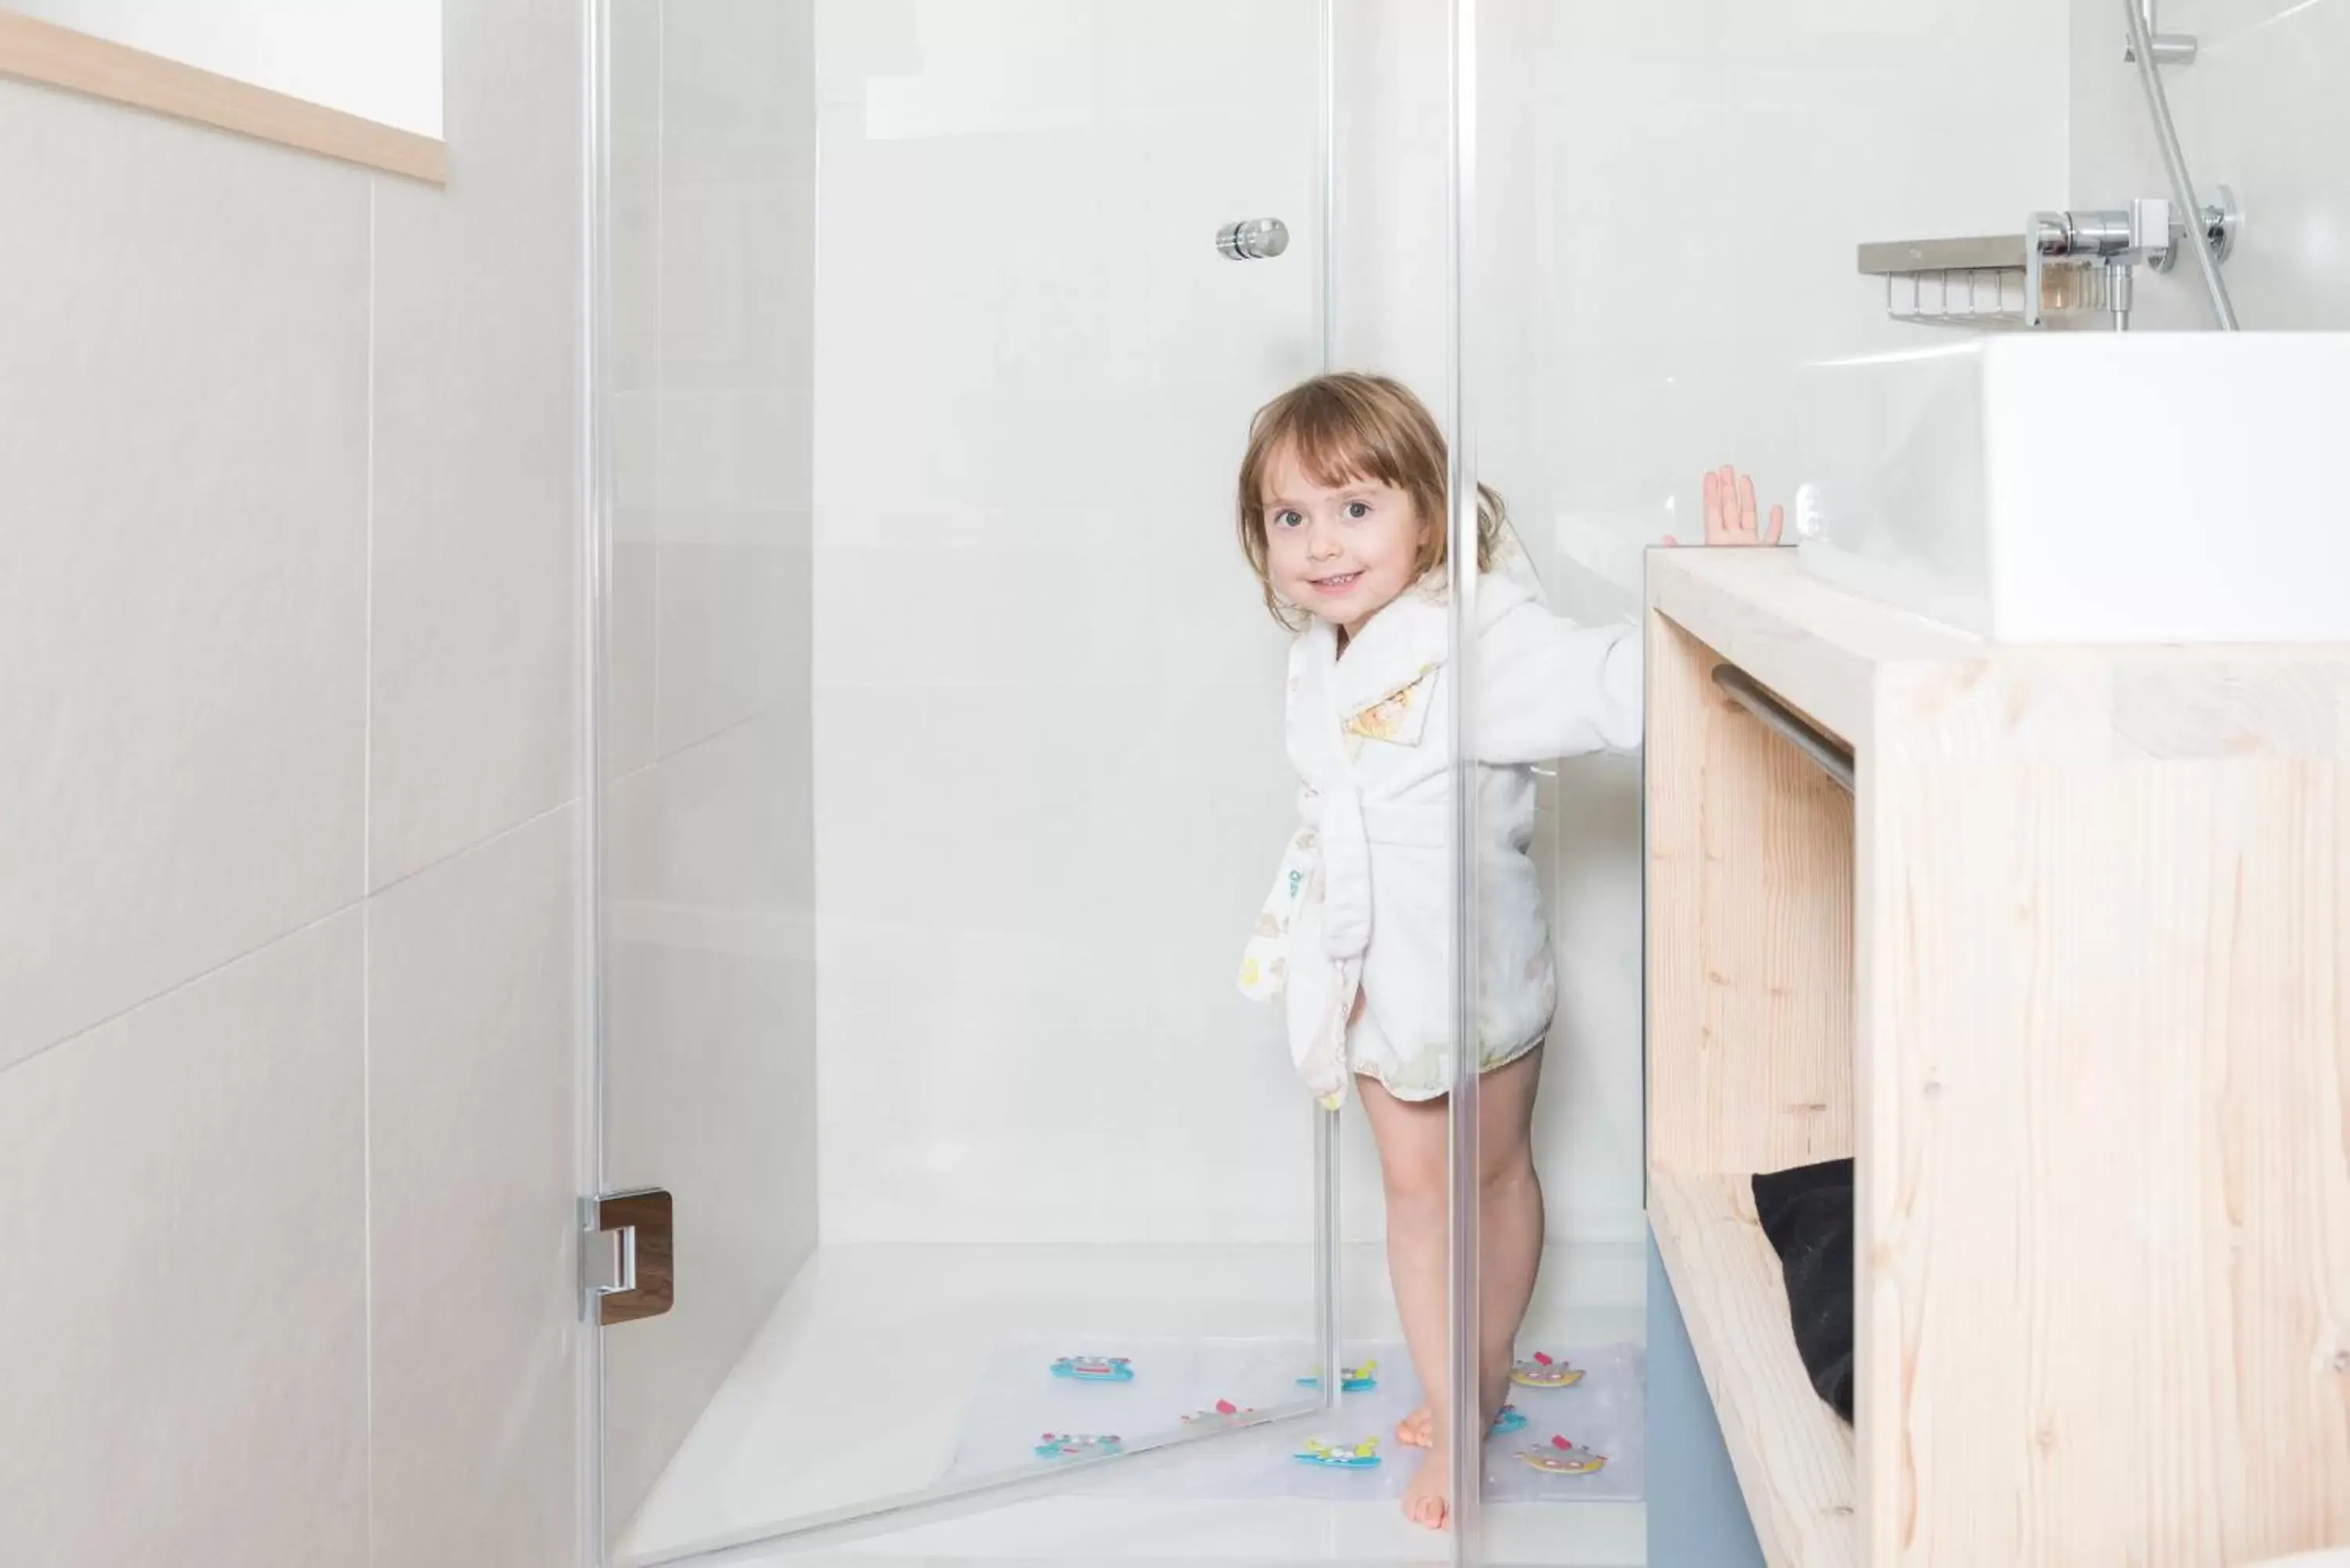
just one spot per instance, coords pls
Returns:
(1730, 512)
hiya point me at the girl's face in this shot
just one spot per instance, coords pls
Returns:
(1343, 555)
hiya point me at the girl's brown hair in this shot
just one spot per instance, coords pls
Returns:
(1348, 428)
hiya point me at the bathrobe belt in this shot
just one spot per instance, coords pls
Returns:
(1345, 828)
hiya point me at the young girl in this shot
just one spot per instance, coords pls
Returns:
(1342, 516)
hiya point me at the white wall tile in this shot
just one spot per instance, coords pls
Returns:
(737, 287)
(735, 104)
(472, 1051)
(981, 1084)
(633, 132)
(1049, 778)
(182, 1319)
(182, 508)
(2260, 111)
(734, 619)
(476, 544)
(633, 656)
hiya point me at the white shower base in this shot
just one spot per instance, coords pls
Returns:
(908, 1330)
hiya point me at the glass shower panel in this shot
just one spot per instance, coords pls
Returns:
(939, 758)
(1740, 156)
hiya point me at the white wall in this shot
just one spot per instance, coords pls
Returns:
(288, 824)
(710, 1044)
(379, 59)
(1669, 196)
(2261, 110)
(1050, 791)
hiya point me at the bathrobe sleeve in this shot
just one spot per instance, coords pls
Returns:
(1548, 688)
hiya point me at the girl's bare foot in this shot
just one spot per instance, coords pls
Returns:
(1427, 1501)
(1417, 1430)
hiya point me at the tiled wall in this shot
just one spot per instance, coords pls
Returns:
(2261, 110)
(710, 1047)
(1050, 790)
(1669, 196)
(288, 832)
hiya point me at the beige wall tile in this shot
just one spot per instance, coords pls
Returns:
(476, 508)
(182, 1317)
(183, 516)
(471, 1015)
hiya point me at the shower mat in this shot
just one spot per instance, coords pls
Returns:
(1018, 1400)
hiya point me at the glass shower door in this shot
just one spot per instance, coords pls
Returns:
(937, 746)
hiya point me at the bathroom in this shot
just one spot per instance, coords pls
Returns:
(573, 628)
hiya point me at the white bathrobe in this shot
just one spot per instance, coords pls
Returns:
(1363, 902)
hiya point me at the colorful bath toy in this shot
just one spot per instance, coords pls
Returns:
(1094, 1368)
(1225, 1414)
(1351, 1380)
(1075, 1445)
(1359, 1456)
(1563, 1459)
(1506, 1420)
(1542, 1372)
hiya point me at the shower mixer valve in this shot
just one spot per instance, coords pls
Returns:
(2149, 232)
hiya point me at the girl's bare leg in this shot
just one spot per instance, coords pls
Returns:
(1414, 1143)
(1510, 1248)
(1510, 1220)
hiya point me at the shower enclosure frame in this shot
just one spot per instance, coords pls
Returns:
(596, 479)
(1462, 1253)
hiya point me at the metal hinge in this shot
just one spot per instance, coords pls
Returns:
(628, 1258)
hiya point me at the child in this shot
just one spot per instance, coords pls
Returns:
(1343, 516)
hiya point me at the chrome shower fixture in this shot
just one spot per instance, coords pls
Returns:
(2064, 264)
(2169, 48)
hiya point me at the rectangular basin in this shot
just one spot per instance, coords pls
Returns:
(2073, 487)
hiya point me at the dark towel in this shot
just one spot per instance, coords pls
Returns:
(1807, 1214)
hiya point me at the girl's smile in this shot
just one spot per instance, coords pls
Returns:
(1341, 551)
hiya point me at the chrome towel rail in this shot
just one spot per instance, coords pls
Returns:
(1832, 756)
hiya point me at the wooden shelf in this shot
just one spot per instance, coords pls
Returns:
(1793, 1457)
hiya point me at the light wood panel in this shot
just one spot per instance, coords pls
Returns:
(2097, 935)
(1749, 932)
(2105, 1183)
(37, 51)
(1793, 1456)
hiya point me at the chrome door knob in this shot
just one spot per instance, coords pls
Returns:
(1253, 239)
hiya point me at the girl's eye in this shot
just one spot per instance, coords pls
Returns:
(1358, 510)
(1286, 519)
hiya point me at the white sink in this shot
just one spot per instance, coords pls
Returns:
(2090, 488)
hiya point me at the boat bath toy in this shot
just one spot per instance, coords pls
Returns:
(1224, 1414)
(1563, 1459)
(1075, 1445)
(1542, 1372)
(1359, 1456)
(1351, 1380)
(1094, 1368)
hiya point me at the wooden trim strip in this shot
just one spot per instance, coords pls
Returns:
(37, 51)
